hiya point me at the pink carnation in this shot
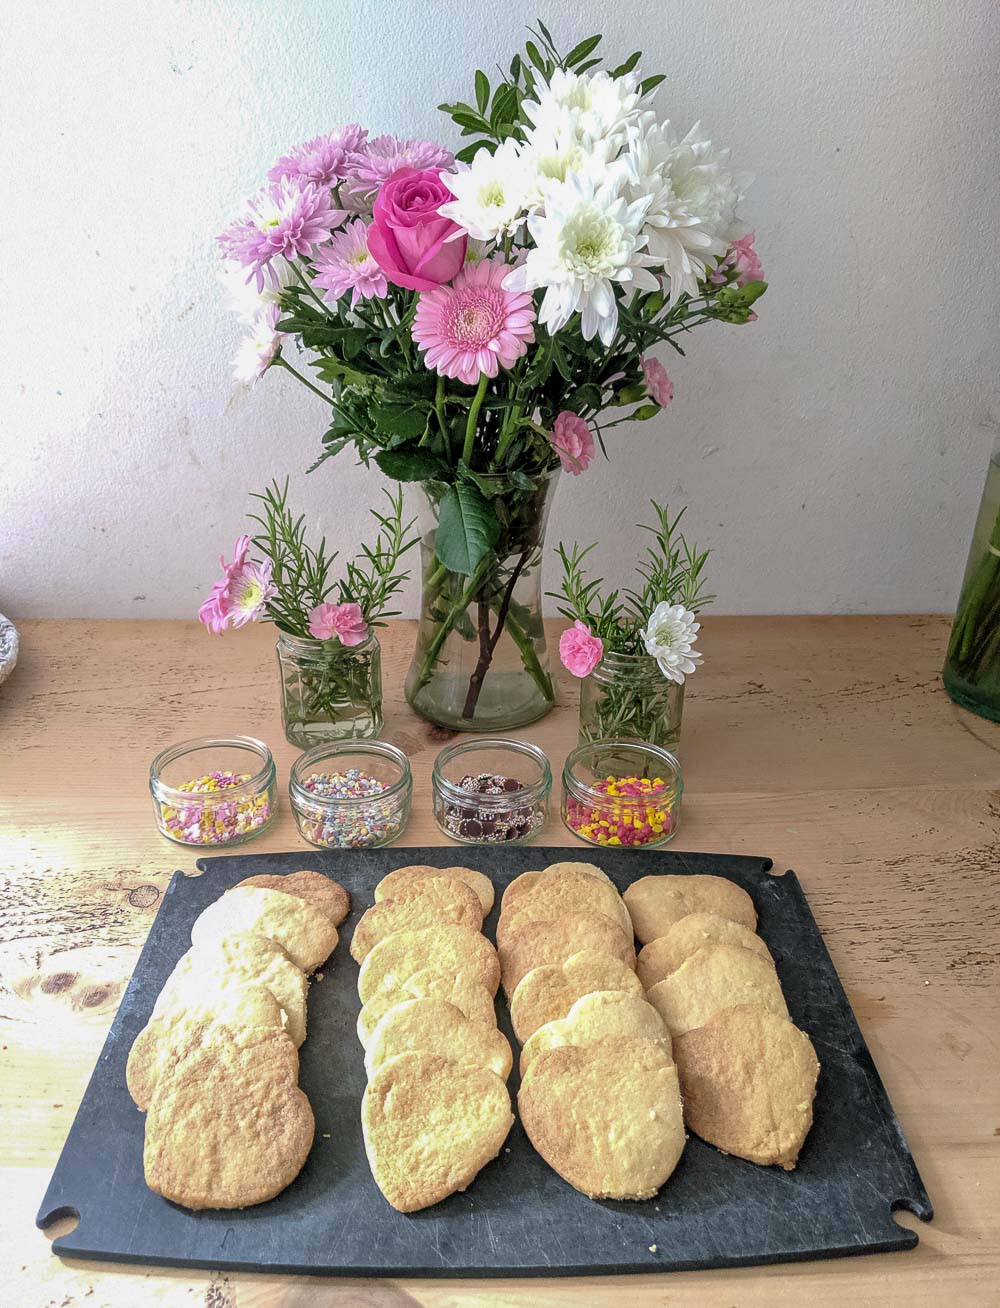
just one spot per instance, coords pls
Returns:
(659, 385)
(573, 442)
(474, 326)
(744, 260)
(579, 651)
(346, 622)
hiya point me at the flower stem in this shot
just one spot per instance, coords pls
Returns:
(470, 426)
(308, 286)
(282, 362)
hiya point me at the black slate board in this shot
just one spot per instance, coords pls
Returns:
(518, 1218)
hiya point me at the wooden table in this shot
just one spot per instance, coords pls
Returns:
(826, 743)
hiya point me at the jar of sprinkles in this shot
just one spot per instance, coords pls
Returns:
(214, 790)
(623, 794)
(491, 792)
(352, 794)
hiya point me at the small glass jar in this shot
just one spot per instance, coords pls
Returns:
(623, 794)
(214, 790)
(489, 792)
(351, 796)
(329, 691)
(628, 697)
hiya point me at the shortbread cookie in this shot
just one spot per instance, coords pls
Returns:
(158, 1043)
(749, 1078)
(442, 948)
(227, 1125)
(430, 1125)
(539, 943)
(655, 903)
(665, 954)
(388, 887)
(433, 1026)
(549, 992)
(714, 978)
(236, 961)
(426, 902)
(544, 896)
(607, 1116)
(469, 996)
(596, 1017)
(527, 879)
(590, 868)
(307, 935)
(322, 892)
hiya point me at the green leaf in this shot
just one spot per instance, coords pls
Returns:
(752, 291)
(469, 152)
(504, 105)
(332, 370)
(628, 64)
(646, 86)
(582, 50)
(400, 420)
(482, 90)
(536, 58)
(467, 529)
(585, 67)
(521, 479)
(409, 465)
(546, 33)
(473, 122)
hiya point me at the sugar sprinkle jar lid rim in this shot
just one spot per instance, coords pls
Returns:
(265, 774)
(451, 790)
(329, 750)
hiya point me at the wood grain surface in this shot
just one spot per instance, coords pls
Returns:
(826, 743)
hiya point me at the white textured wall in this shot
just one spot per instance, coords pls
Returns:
(832, 453)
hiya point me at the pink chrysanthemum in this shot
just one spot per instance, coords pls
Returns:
(344, 264)
(378, 159)
(287, 218)
(241, 594)
(474, 326)
(323, 160)
(659, 385)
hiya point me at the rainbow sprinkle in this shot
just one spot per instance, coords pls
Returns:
(640, 811)
(219, 819)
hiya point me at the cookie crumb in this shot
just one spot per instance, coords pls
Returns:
(652, 1248)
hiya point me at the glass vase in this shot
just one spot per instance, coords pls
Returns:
(972, 666)
(329, 691)
(627, 697)
(480, 662)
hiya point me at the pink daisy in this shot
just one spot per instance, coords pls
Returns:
(345, 264)
(377, 160)
(287, 218)
(241, 594)
(323, 160)
(474, 326)
(659, 385)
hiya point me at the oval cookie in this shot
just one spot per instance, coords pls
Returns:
(665, 954)
(468, 995)
(549, 992)
(476, 881)
(433, 1026)
(539, 943)
(443, 948)
(595, 1017)
(544, 896)
(606, 1117)
(322, 892)
(716, 977)
(428, 901)
(307, 935)
(655, 903)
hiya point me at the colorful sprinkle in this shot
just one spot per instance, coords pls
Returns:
(349, 826)
(627, 820)
(219, 819)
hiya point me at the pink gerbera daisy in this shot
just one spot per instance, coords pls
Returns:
(287, 218)
(474, 326)
(345, 265)
(323, 160)
(377, 160)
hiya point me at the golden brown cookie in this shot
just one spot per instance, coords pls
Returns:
(478, 881)
(549, 992)
(607, 1116)
(426, 902)
(655, 903)
(322, 892)
(544, 896)
(467, 994)
(236, 961)
(442, 948)
(433, 1026)
(227, 1125)
(430, 1125)
(157, 1044)
(527, 879)
(665, 954)
(307, 935)
(539, 943)
(595, 1017)
(713, 978)
(749, 1079)
(590, 868)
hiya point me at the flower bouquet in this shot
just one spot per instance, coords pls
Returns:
(634, 648)
(477, 322)
(328, 653)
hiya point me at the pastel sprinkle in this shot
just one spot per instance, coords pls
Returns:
(349, 826)
(218, 818)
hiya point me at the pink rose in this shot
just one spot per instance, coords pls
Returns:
(579, 650)
(573, 442)
(346, 622)
(413, 245)
(659, 385)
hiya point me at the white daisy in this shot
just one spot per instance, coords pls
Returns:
(588, 107)
(669, 637)
(588, 238)
(258, 350)
(489, 194)
(243, 298)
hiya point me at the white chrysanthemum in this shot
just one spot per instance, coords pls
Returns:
(553, 156)
(588, 238)
(489, 195)
(669, 637)
(258, 351)
(588, 107)
(692, 201)
(243, 298)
